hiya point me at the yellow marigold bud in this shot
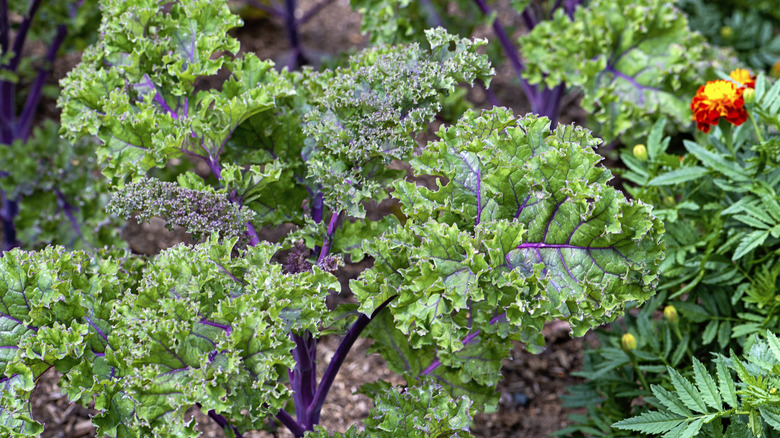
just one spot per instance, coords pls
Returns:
(726, 32)
(629, 342)
(772, 390)
(749, 95)
(640, 152)
(670, 313)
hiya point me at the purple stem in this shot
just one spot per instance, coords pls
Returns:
(297, 58)
(7, 213)
(21, 35)
(332, 225)
(34, 98)
(252, 234)
(303, 378)
(338, 359)
(290, 423)
(214, 166)
(4, 26)
(530, 91)
(467, 340)
(223, 423)
(317, 208)
(311, 13)
(7, 87)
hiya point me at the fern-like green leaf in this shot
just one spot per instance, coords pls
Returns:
(707, 386)
(687, 392)
(726, 383)
(651, 422)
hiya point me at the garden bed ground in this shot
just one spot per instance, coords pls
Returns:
(529, 406)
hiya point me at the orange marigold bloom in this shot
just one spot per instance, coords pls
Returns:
(718, 99)
(743, 77)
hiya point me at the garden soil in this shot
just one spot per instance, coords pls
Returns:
(529, 404)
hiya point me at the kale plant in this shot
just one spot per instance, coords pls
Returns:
(48, 191)
(633, 61)
(521, 228)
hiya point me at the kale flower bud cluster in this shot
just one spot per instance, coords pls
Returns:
(198, 211)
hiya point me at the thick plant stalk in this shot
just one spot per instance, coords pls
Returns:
(308, 403)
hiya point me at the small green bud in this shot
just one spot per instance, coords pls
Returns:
(749, 95)
(629, 342)
(670, 313)
(726, 32)
(640, 152)
(668, 201)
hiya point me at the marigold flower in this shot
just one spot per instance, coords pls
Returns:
(743, 77)
(718, 99)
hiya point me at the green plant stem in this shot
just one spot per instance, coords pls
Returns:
(755, 128)
(635, 364)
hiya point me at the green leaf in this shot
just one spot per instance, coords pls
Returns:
(636, 61)
(369, 112)
(650, 422)
(671, 401)
(689, 395)
(707, 386)
(749, 242)
(526, 224)
(725, 383)
(717, 162)
(679, 176)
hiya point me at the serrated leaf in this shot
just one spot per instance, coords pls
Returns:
(689, 395)
(716, 161)
(707, 386)
(671, 401)
(725, 383)
(650, 422)
(679, 176)
(749, 242)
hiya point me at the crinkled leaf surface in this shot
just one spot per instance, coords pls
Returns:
(525, 230)
(210, 329)
(55, 311)
(135, 88)
(635, 60)
(367, 113)
(147, 343)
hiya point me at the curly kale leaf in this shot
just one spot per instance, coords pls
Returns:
(208, 328)
(55, 311)
(367, 114)
(634, 60)
(202, 212)
(135, 88)
(525, 230)
(402, 21)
